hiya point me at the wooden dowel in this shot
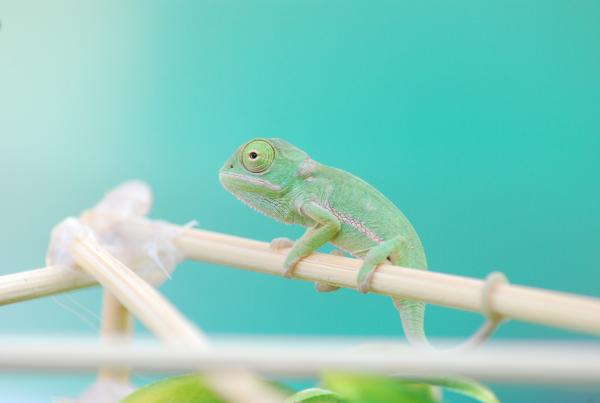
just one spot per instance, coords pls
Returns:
(165, 321)
(36, 283)
(550, 308)
(147, 304)
(117, 323)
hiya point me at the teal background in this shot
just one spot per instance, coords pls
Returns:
(480, 120)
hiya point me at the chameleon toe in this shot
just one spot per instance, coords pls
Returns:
(364, 285)
(324, 287)
(281, 243)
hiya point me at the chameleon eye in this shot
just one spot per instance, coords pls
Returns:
(257, 156)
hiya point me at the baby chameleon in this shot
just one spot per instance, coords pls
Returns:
(283, 182)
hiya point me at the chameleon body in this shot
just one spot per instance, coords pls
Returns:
(283, 182)
(335, 206)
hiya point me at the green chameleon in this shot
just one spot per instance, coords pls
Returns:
(283, 182)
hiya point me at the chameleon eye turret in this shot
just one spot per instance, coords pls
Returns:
(257, 156)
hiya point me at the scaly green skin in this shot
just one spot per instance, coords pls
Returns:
(336, 207)
(283, 182)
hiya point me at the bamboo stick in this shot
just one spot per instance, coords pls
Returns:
(518, 302)
(551, 308)
(36, 283)
(164, 320)
(117, 323)
(527, 363)
(139, 297)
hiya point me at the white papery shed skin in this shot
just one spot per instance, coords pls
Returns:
(61, 237)
(118, 222)
(132, 199)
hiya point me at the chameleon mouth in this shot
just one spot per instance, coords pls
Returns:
(228, 177)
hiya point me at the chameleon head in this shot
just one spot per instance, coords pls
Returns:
(264, 170)
(266, 166)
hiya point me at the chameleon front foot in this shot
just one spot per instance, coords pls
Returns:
(289, 266)
(290, 262)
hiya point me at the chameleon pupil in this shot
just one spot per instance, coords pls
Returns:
(253, 155)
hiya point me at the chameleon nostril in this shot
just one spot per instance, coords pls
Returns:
(230, 165)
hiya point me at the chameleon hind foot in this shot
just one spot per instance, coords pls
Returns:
(324, 287)
(390, 250)
(365, 278)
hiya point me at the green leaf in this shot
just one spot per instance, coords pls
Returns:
(315, 395)
(185, 389)
(180, 389)
(378, 389)
(467, 387)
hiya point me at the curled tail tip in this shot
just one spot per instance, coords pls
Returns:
(412, 314)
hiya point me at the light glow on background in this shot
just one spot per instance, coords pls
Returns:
(480, 120)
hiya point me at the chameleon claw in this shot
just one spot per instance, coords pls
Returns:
(289, 266)
(283, 243)
(364, 287)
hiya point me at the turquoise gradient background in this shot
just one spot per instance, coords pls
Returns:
(481, 120)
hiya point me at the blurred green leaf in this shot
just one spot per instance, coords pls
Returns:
(187, 389)
(341, 388)
(316, 395)
(180, 389)
(378, 389)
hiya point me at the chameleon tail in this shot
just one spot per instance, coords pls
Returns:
(412, 314)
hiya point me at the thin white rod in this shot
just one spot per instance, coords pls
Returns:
(528, 363)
